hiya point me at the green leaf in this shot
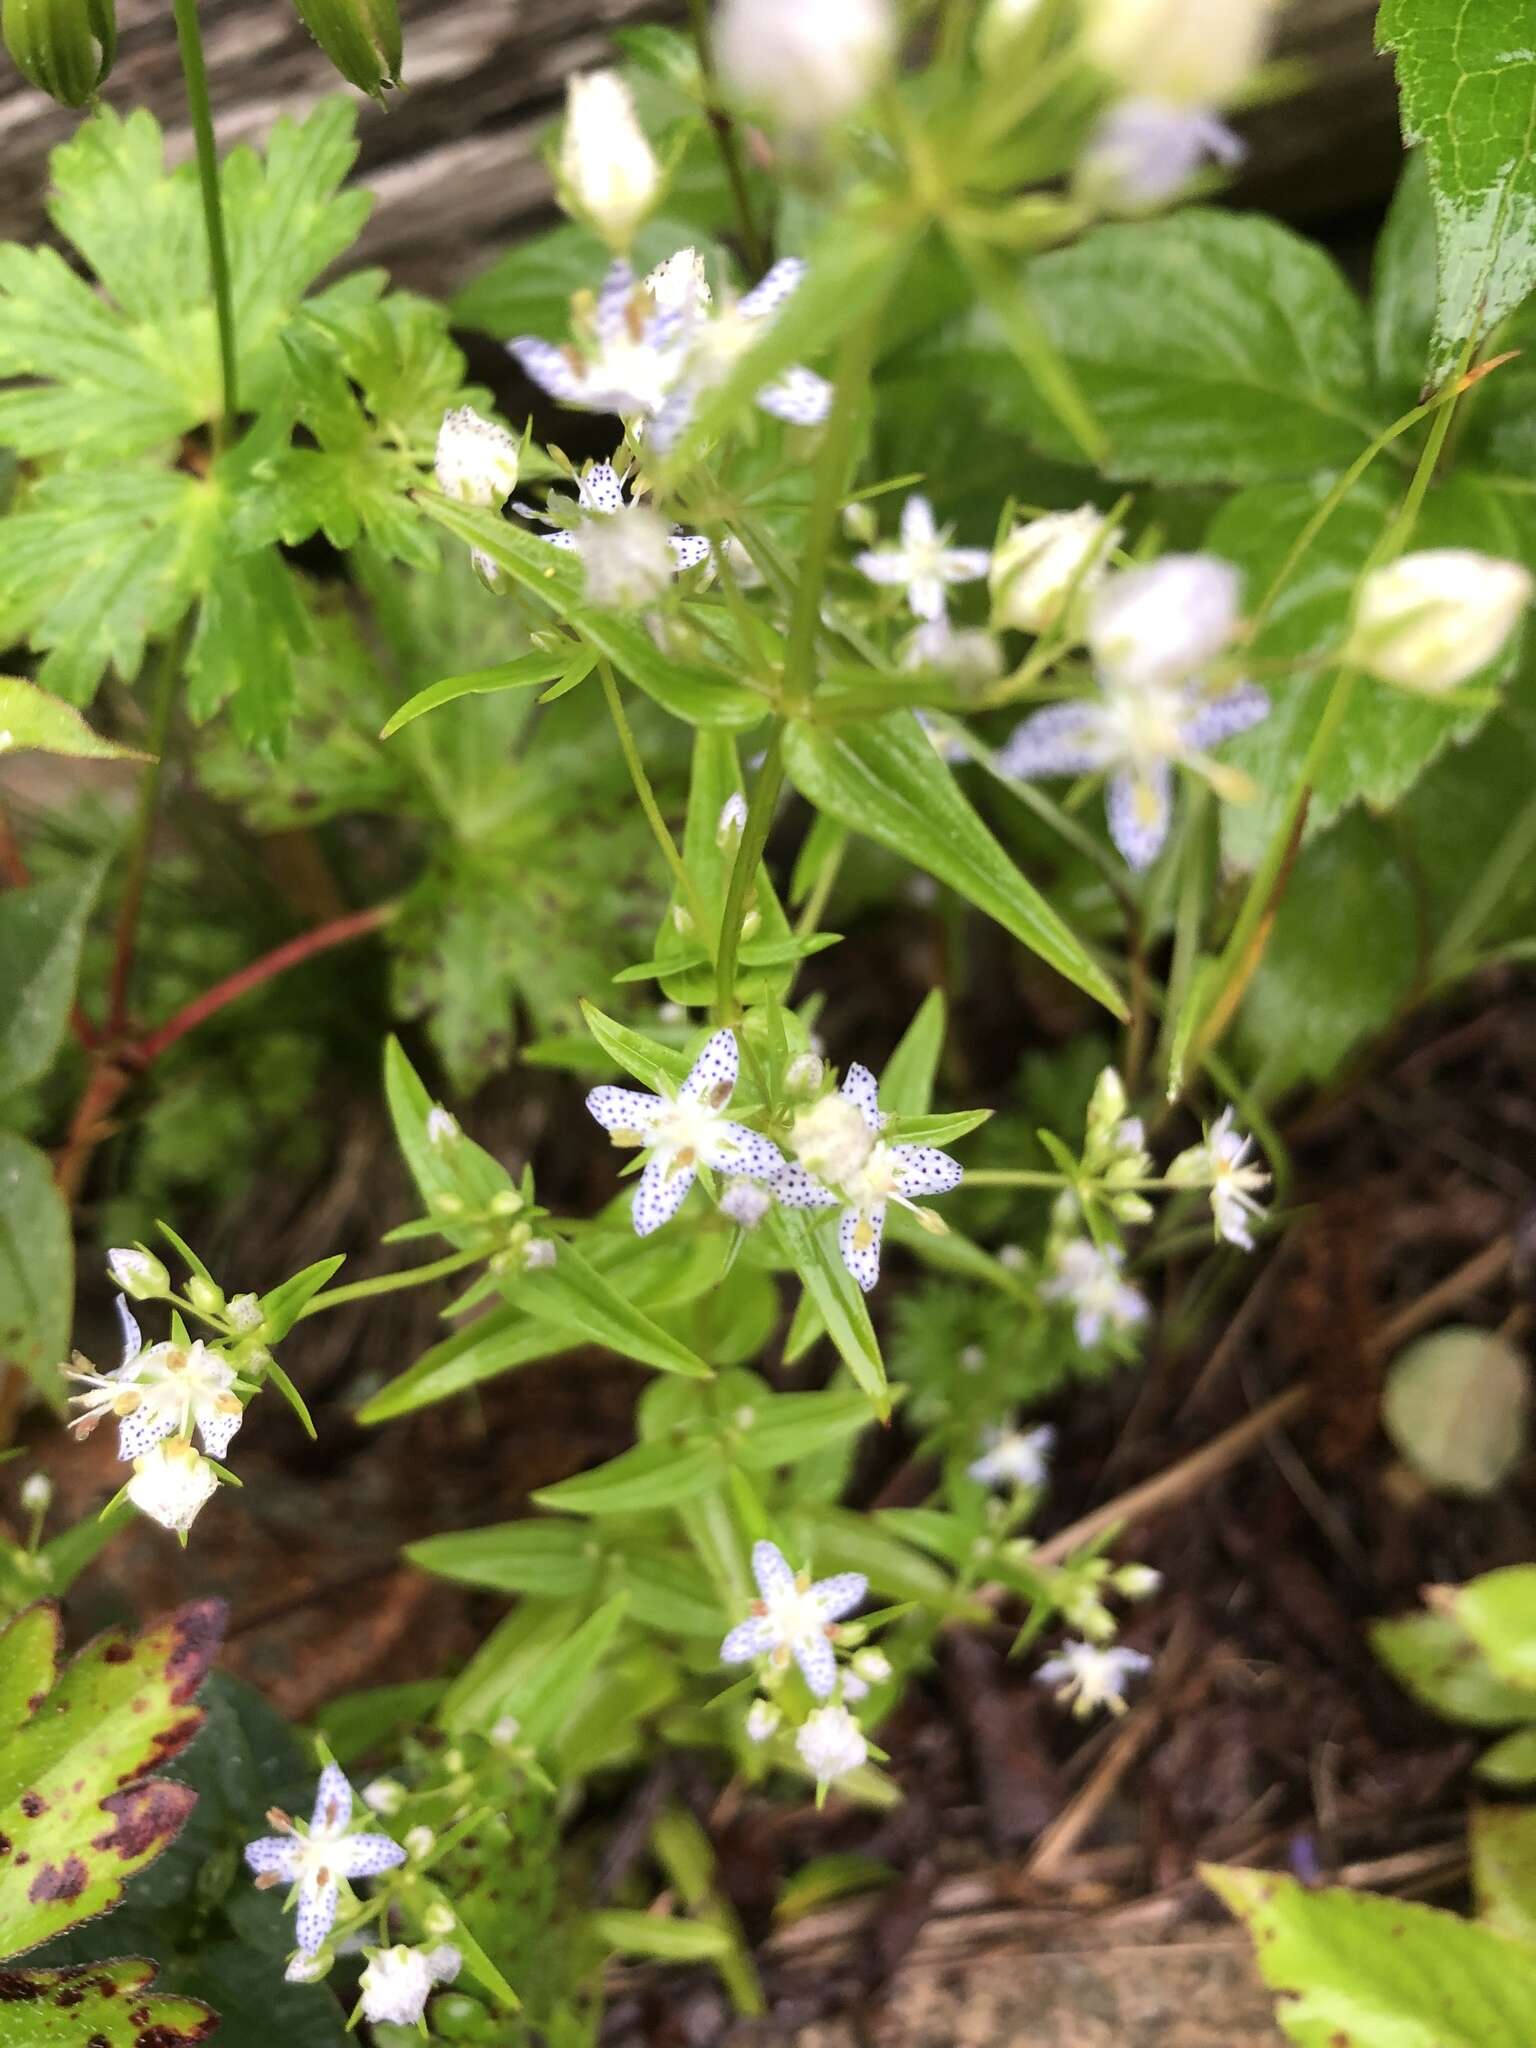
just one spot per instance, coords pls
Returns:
(1358, 1971)
(573, 1296)
(523, 673)
(121, 1709)
(37, 1266)
(492, 1344)
(660, 1068)
(787, 1427)
(33, 1645)
(1466, 76)
(841, 1307)
(552, 1559)
(542, 1703)
(282, 1307)
(30, 718)
(42, 929)
(906, 1086)
(1210, 347)
(251, 626)
(1457, 1406)
(1511, 1762)
(462, 1173)
(1403, 284)
(1434, 1658)
(108, 2005)
(1498, 1611)
(650, 1476)
(650, 1934)
(686, 690)
(884, 780)
(1503, 1844)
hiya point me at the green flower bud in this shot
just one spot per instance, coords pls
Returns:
(206, 1296)
(64, 47)
(361, 38)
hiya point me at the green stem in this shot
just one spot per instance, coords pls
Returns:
(809, 921)
(1015, 1177)
(189, 41)
(726, 139)
(390, 1283)
(649, 805)
(754, 838)
(167, 676)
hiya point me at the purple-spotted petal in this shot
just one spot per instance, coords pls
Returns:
(333, 1800)
(735, 1149)
(367, 1855)
(689, 549)
(550, 368)
(1066, 739)
(662, 1190)
(217, 1431)
(858, 1239)
(611, 319)
(925, 1170)
(148, 1425)
(274, 1856)
(771, 291)
(800, 398)
(317, 1910)
(133, 1336)
(1138, 806)
(1214, 719)
(624, 1109)
(562, 539)
(712, 1077)
(747, 1640)
(671, 420)
(818, 1663)
(863, 1090)
(794, 1188)
(600, 489)
(840, 1594)
(771, 1569)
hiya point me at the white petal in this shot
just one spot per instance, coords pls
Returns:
(800, 398)
(662, 1191)
(771, 1570)
(925, 596)
(600, 489)
(689, 548)
(917, 522)
(670, 423)
(883, 565)
(133, 1337)
(1214, 719)
(550, 368)
(1138, 812)
(926, 1171)
(333, 1800)
(735, 1149)
(216, 1431)
(624, 1109)
(773, 289)
(815, 1656)
(794, 1188)
(317, 1912)
(840, 1594)
(367, 1855)
(148, 1425)
(1067, 739)
(858, 1238)
(965, 565)
(861, 1088)
(747, 1640)
(273, 1856)
(563, 539)
(712, 1077)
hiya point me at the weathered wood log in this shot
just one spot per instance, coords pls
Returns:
(454, 158)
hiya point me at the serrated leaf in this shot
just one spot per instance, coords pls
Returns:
(37, 1266)
(75, 1792)
(42, 929)
(1466, 75)
(650, 1476)
(30, 718)
(884, 780)
(1358, 1971)
(34, 1642)
(551, 1559)
(1210, 348)
(107, 2005)
(1403, 281)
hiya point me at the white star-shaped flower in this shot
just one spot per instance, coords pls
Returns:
(166, 1390)
(794, 1618)
(1013, 1457)
(924, 564)
(684, 1132)
(317, 1860)
(397, 1982)
(1090, 1676)
(171, 1484)
(831, 1743)
(1222, 1164)
(848, 1163)
(1150, 632)
(600, 495)
(1087, 1276)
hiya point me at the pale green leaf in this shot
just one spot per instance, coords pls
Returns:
(1498, 1611)
(42, 929)
(1457, 1406)
(630, 1933)
(37, 1266)
(549, 1558)
(1503, 1844)
(30, 718)
(1438, 1662)
(523, 672)
(906, 1084)
(810, 1247)
(650, 1476)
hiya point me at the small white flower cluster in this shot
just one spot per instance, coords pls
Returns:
(318, 1861)
(841, 1160)
(627, 555)
(795, 1621)
(160, 1395)
(1221, 1163)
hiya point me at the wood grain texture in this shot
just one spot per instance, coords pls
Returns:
(454, 159)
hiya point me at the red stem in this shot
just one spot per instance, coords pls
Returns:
(339, 932)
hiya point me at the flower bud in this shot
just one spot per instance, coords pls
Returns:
(63, 47)
(439, 1919)
(763, 1718)
(1195, 53)
(608, 171)
(539, 1253)
(805, 1073)
(805, 64)
(873, 1666)
(627, 562)
(384, 1795)
(831, 1743)
(1158, 626)
(361, 38)
(477, 461)
(37, 1493)
(1048, 564)
(138, 1273)
(1136, 1581)
(206, 1296)
(746, 1203)
(733, 822)
(419, 1843)
(832, 1140)
(442, 1127)
(1429, 620)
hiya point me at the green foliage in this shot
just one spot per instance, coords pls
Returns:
(37, 1265)
(116, 2001)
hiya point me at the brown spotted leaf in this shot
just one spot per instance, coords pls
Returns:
(79, 1811)
(108, 2005)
